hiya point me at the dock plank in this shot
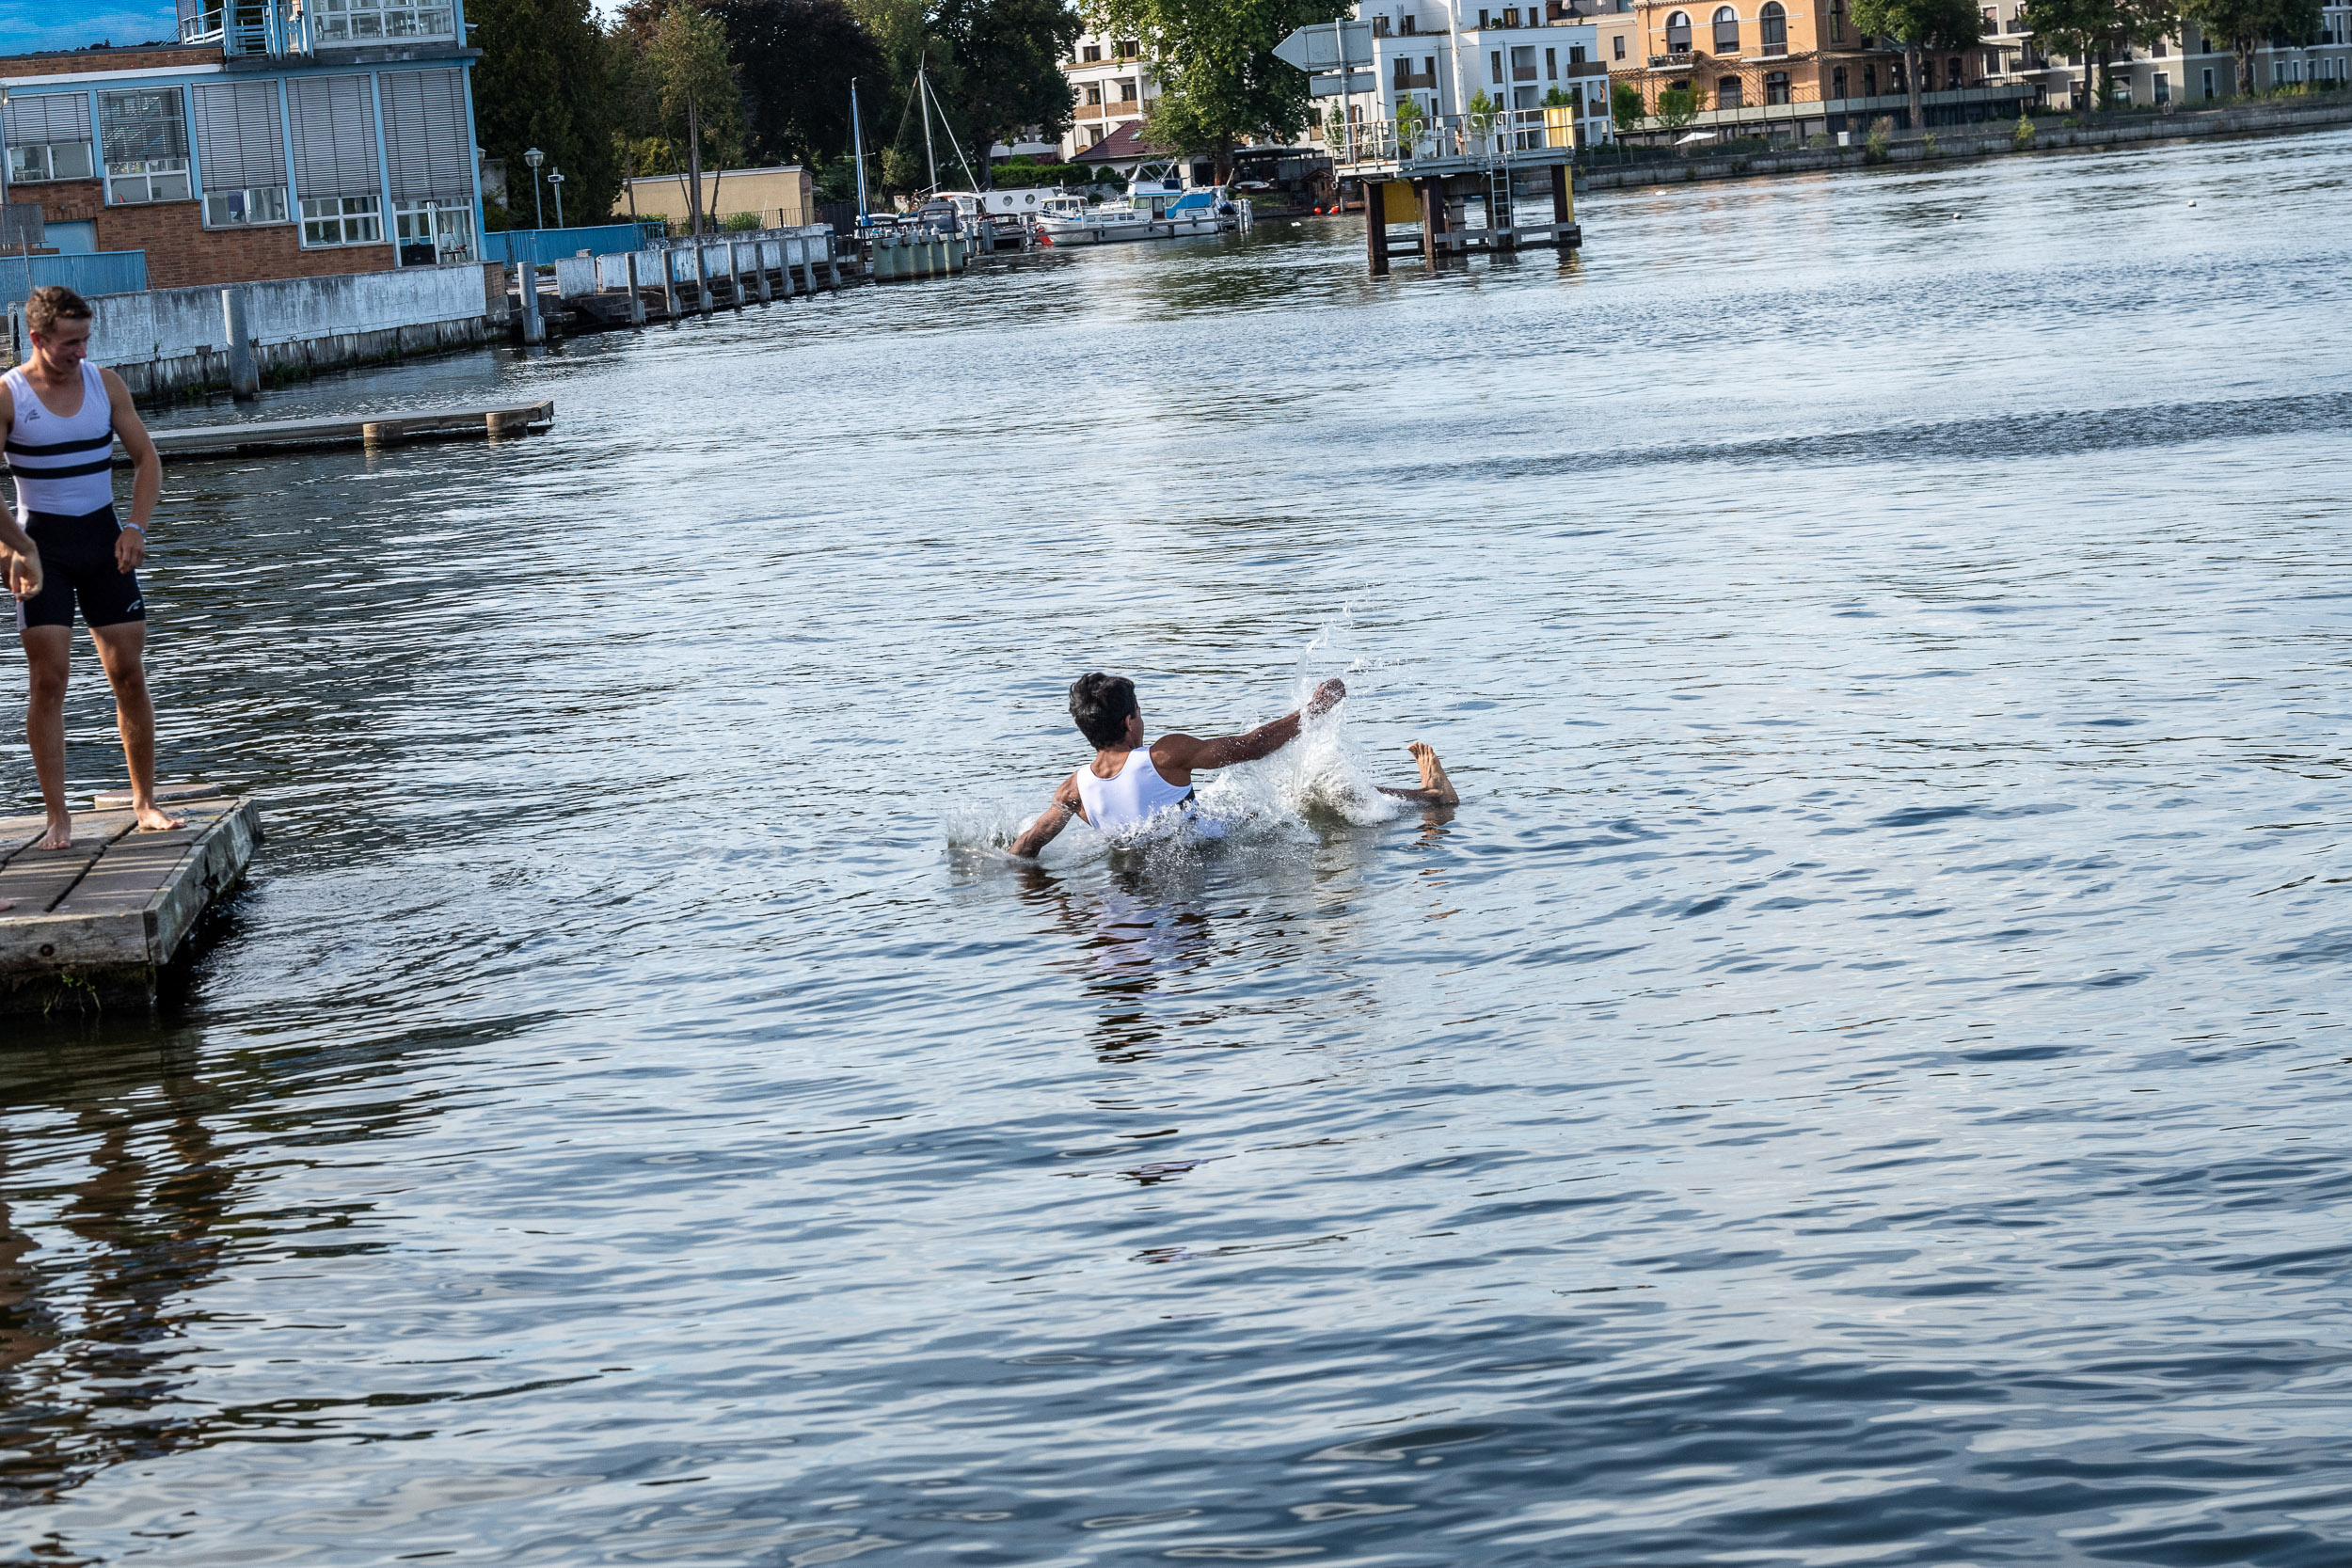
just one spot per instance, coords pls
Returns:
(38, 878)
(425, 424)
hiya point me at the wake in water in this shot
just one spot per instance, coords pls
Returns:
(1312, 774)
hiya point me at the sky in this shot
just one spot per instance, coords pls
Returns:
(27, 25)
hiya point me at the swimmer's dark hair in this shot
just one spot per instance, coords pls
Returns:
(1100, 705)
(50, 303)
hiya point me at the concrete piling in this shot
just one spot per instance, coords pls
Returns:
(636, 300)
(244, 374)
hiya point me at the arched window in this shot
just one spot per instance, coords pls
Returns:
(1869, 81)
(1679, 33)
(1727, 93)
(1837, 83)
(1772, 27)
(1726, 30)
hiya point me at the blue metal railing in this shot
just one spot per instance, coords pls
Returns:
(546, 245)
(104, 272)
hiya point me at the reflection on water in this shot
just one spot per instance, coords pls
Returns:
(1858, 1079)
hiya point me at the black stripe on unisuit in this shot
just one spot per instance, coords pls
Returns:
(71, 471)
(31, 448)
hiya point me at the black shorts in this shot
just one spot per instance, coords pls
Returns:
(78, 559)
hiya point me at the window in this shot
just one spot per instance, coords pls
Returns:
(2164, 87)
(1494, 64)
(1551, 65)
(56, 160)
(1726, 30)
(341, 220)
(1869, 81)
(254, 204)
(1772, 27)
(1838, 20)
(2208, 84)
(1776, 87)
(365, 21)
(1511, 16)
(1404, 25)
(1094, 92)
(1955, 73)
(1619, 42)
(1127, 90)
(432, 233)
(1727, 93)
(1679, 33)
(1130, 49)
(1576, 53)
(1523, 64)
(1091, 54)
(144, 134)
(1837, 83)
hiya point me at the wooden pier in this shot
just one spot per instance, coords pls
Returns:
(95, 926)
(476, 422)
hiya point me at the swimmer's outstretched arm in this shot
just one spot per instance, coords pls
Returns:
(1043, 831)
(1177, 757)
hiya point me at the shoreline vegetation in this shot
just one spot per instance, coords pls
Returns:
(1994, 138)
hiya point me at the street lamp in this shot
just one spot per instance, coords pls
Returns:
(556, 179)
(535, 158)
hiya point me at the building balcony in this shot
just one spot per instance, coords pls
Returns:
(1523, 73)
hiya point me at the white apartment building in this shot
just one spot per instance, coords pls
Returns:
(2186, 67)
(1438, 52)
(1110, 87)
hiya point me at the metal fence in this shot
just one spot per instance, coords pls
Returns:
(1491, 138)
(544, 245)
(105, 272)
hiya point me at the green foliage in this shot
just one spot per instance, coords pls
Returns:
(1818, 139)
(1219, 81)
(542, 81)
(1678, 107)
(1625, 107)
(738, 223)
(794, 60)
(1408, 120)
(1482, 111)
(693, 83)
(1915, 26)
(2100, 30)
(1558, 99)
(1932, 148)
(1881, 136)
(1020, 174)
(1004, 69)
(2022, 137)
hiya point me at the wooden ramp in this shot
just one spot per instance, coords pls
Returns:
(359, 430)
(95, 926)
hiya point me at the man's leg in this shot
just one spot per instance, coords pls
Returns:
(121, 648)
(47, 654)
(1436, 789)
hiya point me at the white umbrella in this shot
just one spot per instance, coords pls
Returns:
(1696, 135)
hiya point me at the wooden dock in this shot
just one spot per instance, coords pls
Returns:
(479, 422)
(94, 926)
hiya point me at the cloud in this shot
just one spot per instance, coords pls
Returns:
(76, 24)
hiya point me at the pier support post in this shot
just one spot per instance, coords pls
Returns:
(808, 270)
(534, 326)
(702, 281)
(1432, 220)
(783, 265)
(1562, 211)
(636, 300)
(759, 265)
(1377, 228)
(736, 281)
(669, 282)
(833, 262)
(244, 377)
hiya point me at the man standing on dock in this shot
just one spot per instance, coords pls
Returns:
(61, 415)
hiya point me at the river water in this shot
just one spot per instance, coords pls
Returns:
(1861, 1078)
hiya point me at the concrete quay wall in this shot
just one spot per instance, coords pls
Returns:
(170, 341)
(1979, 142)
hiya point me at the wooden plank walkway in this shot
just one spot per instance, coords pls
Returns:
(359, 430)
(95, 924)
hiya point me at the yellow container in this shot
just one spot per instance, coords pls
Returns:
(1560, 126)
(1399, 202)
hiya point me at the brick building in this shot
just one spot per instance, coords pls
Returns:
(268, 143)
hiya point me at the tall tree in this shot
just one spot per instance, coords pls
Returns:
(794, 60)
(1007, 57)
(701, 108)
(1219, 81)
(541, 82)
(2098, 30)
(1916, 25)
(2247, 22)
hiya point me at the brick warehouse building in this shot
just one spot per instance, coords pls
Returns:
(275, 140)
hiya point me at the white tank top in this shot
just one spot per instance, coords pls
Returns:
(65, 466)
(1133, 798)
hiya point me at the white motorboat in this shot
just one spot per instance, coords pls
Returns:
(1157, 207)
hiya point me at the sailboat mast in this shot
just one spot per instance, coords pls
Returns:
(857, 142)
(923, 83)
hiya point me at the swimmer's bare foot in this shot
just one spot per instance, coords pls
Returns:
(154, 819)
(60, 833)
(1433, 777)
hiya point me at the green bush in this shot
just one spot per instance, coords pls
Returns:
(1934, 149)
(1881, 136)
(738, 222)
(1818, 139)
(2022, 137)
(1020, 174)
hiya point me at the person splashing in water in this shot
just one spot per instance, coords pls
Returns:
(1129, 784)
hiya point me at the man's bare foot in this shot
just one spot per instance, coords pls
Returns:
(60, 833)
(1433, 777)
(154, 819)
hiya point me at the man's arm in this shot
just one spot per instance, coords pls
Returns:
(1057, 815)
(20, 558)
(148, 488)
(1186, 754)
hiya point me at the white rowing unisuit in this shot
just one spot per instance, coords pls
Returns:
(1136, 796)
(64, 462)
